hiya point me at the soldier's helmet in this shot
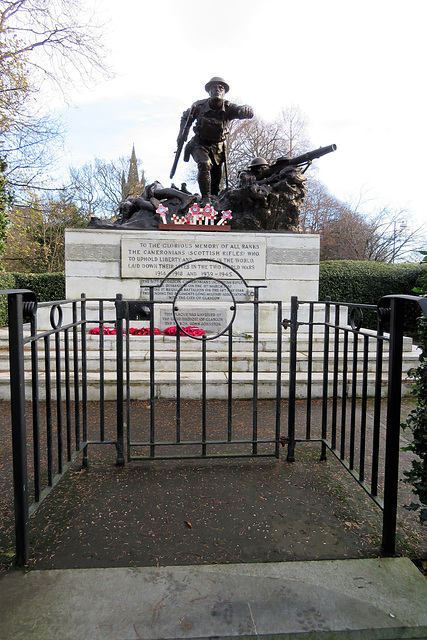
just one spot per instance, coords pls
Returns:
(214, 81)
(258, 162)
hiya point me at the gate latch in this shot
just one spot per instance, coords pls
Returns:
(133, 310)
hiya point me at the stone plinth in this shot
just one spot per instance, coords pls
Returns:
(102, 263)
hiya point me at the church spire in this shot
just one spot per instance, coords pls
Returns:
(133, 186)
(133, 177)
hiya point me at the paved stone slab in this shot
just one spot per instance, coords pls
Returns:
(369, 599)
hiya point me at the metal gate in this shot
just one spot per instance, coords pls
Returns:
(208, 440)
(321, 350)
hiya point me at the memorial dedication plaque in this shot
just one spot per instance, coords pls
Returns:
(156, 258)
(213, 316)
(193, 292)
(210, 320)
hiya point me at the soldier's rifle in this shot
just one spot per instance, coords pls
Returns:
(182, 138)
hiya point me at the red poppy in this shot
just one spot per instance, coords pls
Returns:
(143, 331)
(192, 331)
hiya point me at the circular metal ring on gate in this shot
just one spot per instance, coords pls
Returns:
(355, 318)
(54, 324)
(233, 308)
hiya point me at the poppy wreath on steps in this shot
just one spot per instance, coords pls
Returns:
(192, 331)
(107, 331)
(145, 331)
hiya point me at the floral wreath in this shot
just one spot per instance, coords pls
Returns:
(145, 331)
(192, 331)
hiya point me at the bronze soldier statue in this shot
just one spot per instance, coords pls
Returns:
(254, 172)
(207, 147)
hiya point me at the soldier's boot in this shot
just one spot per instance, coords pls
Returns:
(216, 175)
(204, 180)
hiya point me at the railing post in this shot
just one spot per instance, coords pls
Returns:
(394, 303)
(278, 377)
(255, 373)
(325, 378)
(19, 436)
(391, 473)
(85, 461)
(292, 379)
(120, 461)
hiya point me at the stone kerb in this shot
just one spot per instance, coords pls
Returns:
(102, 263)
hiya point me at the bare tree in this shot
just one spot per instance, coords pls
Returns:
(395, 238)
(83, 188)
(96, 188)
(319, 208)
(249, 139)
(52, 44)
(346, 237)
(295, 131)
(109, 181)
(386, 236)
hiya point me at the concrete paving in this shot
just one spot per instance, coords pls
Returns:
(351, 599)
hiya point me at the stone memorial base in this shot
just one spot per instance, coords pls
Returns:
(102, 263)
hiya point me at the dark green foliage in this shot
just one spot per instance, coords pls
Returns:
(46, 286)
(7, 281)
(417, 419)
(365, 282)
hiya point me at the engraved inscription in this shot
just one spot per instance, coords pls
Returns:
(211, 320)
(195, 290)
(156, 259)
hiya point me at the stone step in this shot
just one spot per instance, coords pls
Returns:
(266, 341)
(216, 361)
(191, 385)
(372, 599)
(191, 366)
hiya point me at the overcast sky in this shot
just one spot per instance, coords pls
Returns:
(355, 69)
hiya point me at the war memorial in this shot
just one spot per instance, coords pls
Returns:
(207, 248)
(212, 299)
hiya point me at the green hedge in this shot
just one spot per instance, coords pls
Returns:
(7, 281)
(366, 282)
(46, 286)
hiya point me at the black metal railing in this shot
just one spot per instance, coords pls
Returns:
(155, 445)
(365, 442)
(49, 399)
(57, 390)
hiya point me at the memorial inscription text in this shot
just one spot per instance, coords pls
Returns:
(155, 259)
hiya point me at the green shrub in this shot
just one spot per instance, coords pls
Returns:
(7, 281)
(365, 282)
(417, 419)
(46, 286)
